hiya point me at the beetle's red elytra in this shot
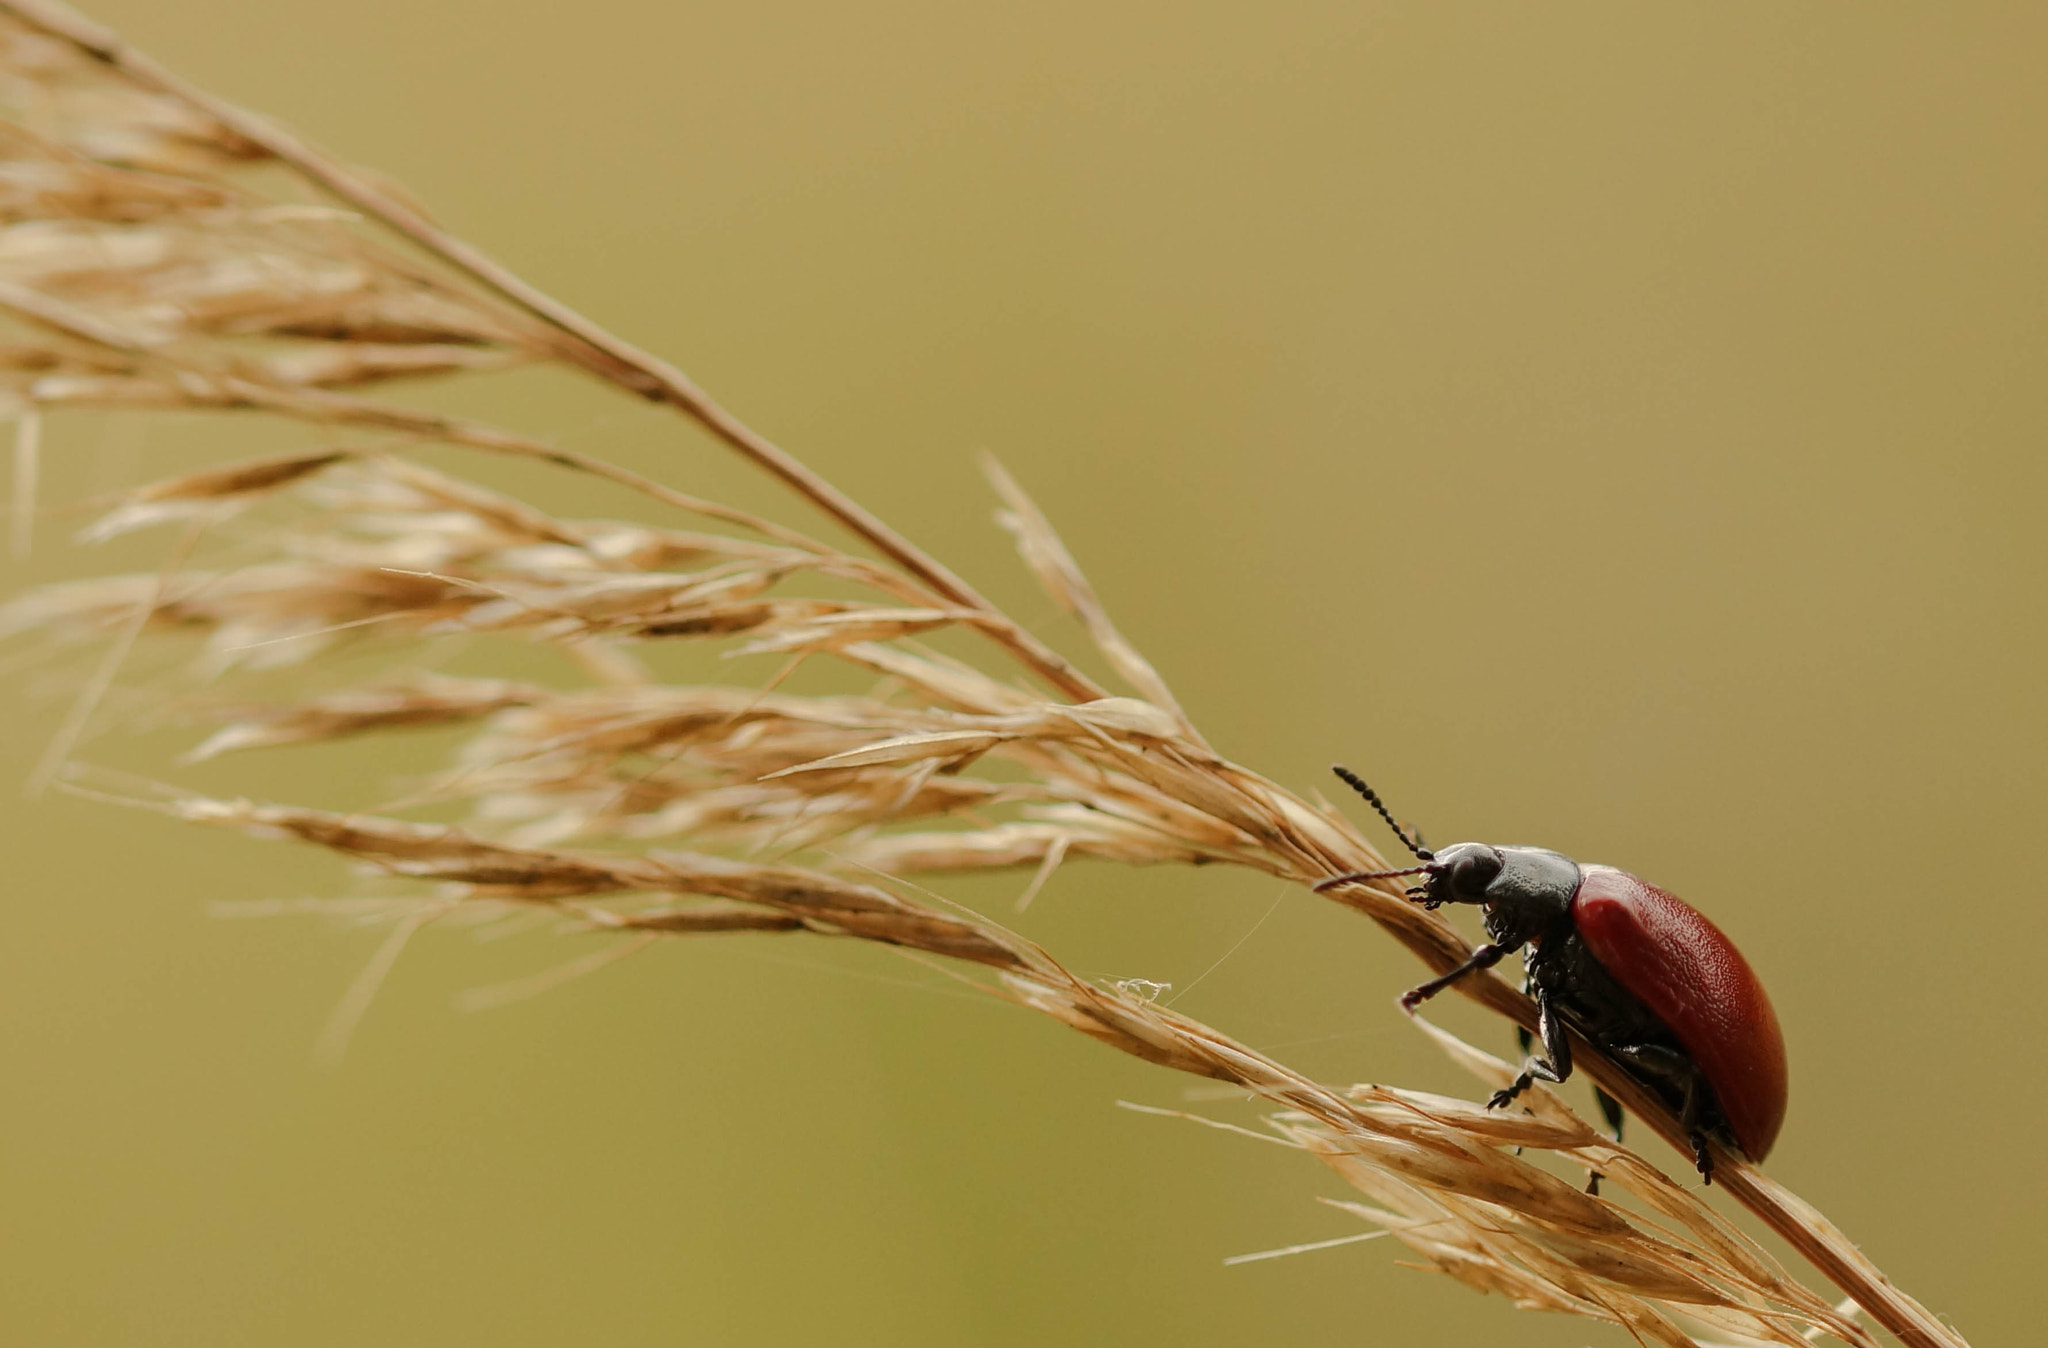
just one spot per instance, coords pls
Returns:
(1694, 980)
(1633, 969)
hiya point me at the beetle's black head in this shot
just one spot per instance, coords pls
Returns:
(1460, 873)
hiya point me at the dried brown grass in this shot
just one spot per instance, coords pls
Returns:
(144, 267)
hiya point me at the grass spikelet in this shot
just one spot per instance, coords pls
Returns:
(141, 266)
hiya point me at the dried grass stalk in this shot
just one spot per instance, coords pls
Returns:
(1444, 1176)
(143, 269)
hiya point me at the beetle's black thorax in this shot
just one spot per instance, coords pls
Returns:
(1530, 901)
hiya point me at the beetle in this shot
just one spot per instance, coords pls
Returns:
(1635, 970)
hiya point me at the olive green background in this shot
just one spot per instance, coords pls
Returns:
(1617, 427)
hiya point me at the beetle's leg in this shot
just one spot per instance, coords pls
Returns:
(1657, 1063)
(1555, 1041)
(1610, 1110)
(1556, 1068)
(1679, 1072)
(1523, 1039)
(1558, 1045)
(1689, 1119)
(1485, 957)
(1502, 1098)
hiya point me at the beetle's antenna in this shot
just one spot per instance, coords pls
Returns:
(1431, 869)
(1372, 798)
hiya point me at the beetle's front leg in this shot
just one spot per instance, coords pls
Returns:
(1485, 957)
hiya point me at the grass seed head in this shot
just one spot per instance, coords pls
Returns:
(142, 266)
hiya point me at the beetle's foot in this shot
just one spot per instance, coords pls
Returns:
(1593, 1183)
(1701, 1156)
(1503, 1098)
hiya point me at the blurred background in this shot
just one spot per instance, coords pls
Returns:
(1612, 429)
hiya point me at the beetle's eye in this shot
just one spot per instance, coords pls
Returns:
(1473, 871)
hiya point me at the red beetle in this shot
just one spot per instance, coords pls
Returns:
(1637, 971)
